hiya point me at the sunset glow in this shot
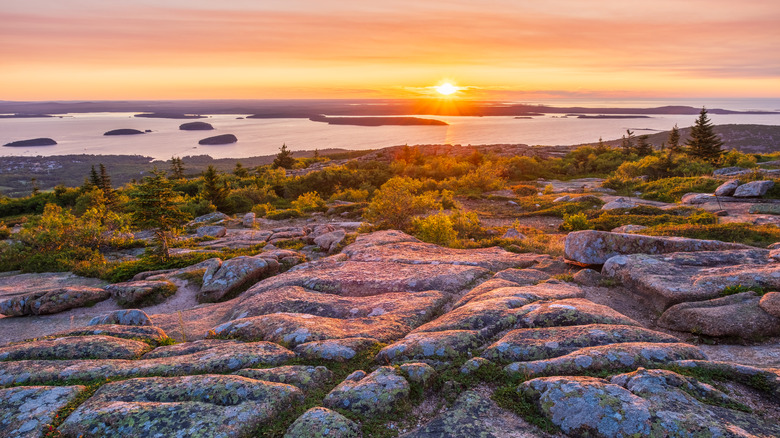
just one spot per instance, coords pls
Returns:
(446, 89)
(143, 49)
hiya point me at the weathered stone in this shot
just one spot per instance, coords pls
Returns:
(123, 317)
(378, 392)
(728, 170)
(223, 359)
(665, 280)
(736, 315)
(443, 345)
(50, 301)
(587, 277)
(76, 347)
(770, 303)
(208, 219)
(146, 291)
(487, 316)
(339, 350)
(295, 316)
(537, 292)
(764, 379)
(360, 279)
(193, 406)
(543, 343)
(628, 229)
(522, 277)
(249, 220)
(596, 247)
(25, 410)
(231, 276)
(380, 247)
(583, 406)
(330, 241)
(305, 377)
(190, 348)
(697, 198)
(323, 423)
(753, 189)
(564, 198)
(765, 209)
(211, 231)
(513, 234)
(570, 311)
(727, 188)
(613, 357)
(471, 416)
(149, 334)
(473, 364)
(619, 203)
(418, 373)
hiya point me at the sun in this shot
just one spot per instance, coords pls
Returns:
(446, 89)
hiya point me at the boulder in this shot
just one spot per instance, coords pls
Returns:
(440, 345)
(473, 365)
(536, 292)
(565, 198)
(570, 311)
(619, 203)
(727, 188)
(513, 234)
(596, 247)
(770, 303)
(697, 198)
(330, 241)
(753, 189)
(208, 219)
(149, 334)
(249, 220)
(123, 317)
(45, 302)
(76, 347)
(738, 316)
(629, 228)
(472, 415)
(25, 411)
(211, 231)
(323, 423)
(146, 291)
(338, 350)
(369, 395)
(587, 277)
(207, 405)
(418, 373)
(232, 275)
(664, 280)
(219, 139)
(304, 377)
(765, 209)
(723, 171)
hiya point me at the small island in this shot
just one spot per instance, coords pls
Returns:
(170, 116)
(378, 121)
(32, 142)
(196, 126)
(219, 139)
(124, 132)
(605, 116)
(23, 116)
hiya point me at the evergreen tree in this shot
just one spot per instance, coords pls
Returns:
(153, 206)
(240, 171)
(215, 190)
(105, 184)
(628, 142)
(643, 148)
(704, 143)
(177, 168)
(674, 140)
(94, 178)
(602, 147)
(284, 158)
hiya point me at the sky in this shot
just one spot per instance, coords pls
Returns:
(492, 49)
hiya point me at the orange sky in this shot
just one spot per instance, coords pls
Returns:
(500, 49)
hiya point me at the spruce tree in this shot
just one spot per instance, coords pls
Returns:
(643, 148)
(105, 184)
(628, 142)
(177, 168)
(240, 171)
(94, 178)
(153, 206)
(215, 190)
(284, 158)
(674, 140)
(704, 143)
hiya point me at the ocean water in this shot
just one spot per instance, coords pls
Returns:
(83, 133)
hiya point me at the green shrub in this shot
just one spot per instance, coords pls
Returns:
(350, 195)
(5, 232)
(262, 210)
(735, 158)
(525, 190)
(575, 222)
(650, 216)
(673, 189)
(397, 202)
(436, 228)
(309, 201)
(560, 209)
(733, 290)
(754, 235)
(467, 225)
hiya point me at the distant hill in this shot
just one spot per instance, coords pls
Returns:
(755, 139)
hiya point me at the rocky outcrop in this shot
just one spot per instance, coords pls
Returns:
(738, 315)
(665, 280)
(208, 219)
(303, 377)
(321, 423)
(619, 203)
(596, 247)
(727, 188)
(367, 395)
(753, 189)
(330, 241)
(26, 410)
(232, 275)
(76, 347)
(219, 139)
(52, 301)
(770, 303)
(136, 292)
(337, 350)
(249, 220)
(208, 405)
(123, 317)
(211, 231)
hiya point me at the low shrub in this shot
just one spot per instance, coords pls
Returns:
(754, 235)
(309, 201)
(436, 228)
(575, 222)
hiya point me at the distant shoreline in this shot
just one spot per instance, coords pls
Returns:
(378, 121)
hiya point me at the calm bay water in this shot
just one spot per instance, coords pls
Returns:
(83, 133)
